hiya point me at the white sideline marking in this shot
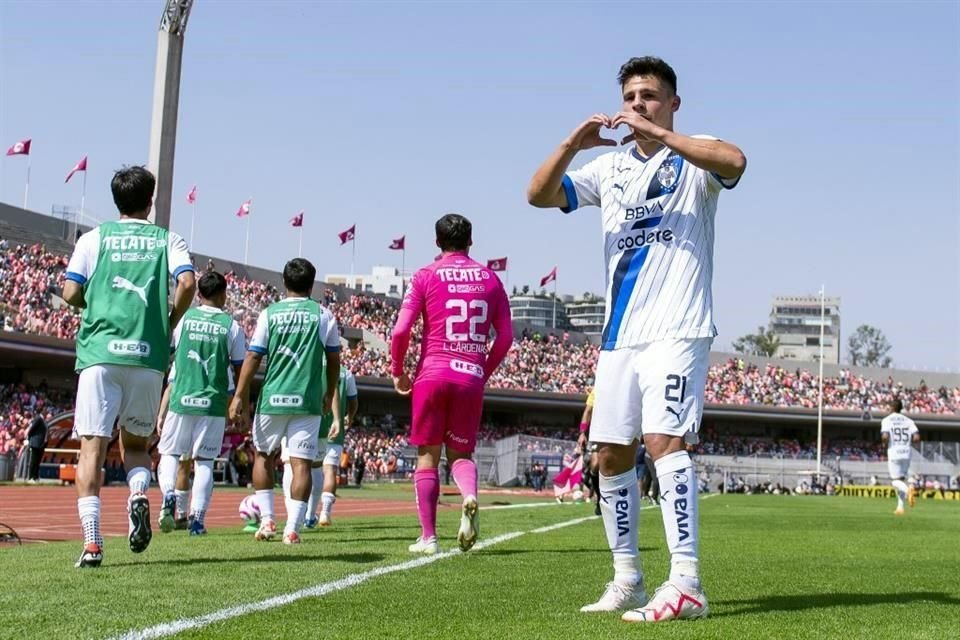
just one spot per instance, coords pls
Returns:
(177, 626)
(561, 525)
(523, 505)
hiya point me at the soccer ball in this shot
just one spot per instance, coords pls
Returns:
(249, 510)
(578, 496)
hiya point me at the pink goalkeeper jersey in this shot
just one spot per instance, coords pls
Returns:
(460, 300)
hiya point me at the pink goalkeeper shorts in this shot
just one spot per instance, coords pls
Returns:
(446, 413)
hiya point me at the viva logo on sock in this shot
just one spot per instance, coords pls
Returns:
(623, 519)
(680, 506)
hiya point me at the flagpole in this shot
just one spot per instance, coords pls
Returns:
(246, 244)
(820, 383)
(353, 257)
(300, 244)
(403, 270)
(83, 194)
(26, 188)
(193, 216)
(554, 302)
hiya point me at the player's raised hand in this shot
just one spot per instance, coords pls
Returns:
(402, 384)
(642, 129)
(587, 135)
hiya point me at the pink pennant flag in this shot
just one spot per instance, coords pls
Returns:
(497, 264)
(399, 244)
(297, 220)
(80, 166)
(244, 209)
(550, 277)
(21, 148)
(192, 196)
(348, 235)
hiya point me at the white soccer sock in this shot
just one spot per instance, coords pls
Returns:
(901, 488)
(317, 474)
(167, 473)
(182, 502)
(296, 510)
(678, 504)
(138, 479)
(620, 510)
(327, 499)
(202, 488)
(265, 502)
(89, 510)
(287, 479)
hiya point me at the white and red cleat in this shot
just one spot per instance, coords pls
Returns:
(669, 602)
(291, 537)
(267, 531)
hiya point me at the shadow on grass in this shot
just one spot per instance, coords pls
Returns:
(803, 602)
(357, 558)
(514, 552)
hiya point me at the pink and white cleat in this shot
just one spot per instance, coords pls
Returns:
(291, 537)
(267, 531)
(670, 602)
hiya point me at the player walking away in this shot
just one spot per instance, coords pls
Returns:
(296, 335)
(899, 432)
(120, 275)
(208, 343)
(658, 202)
(349, 403)
(460, 300)
(587, 448)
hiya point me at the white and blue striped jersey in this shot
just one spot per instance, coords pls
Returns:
(658, 227)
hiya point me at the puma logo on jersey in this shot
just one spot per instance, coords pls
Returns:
(284, 350)
(617, 186)
(119, 282)
(193, 355)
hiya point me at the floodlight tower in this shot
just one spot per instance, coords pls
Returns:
(166, 101)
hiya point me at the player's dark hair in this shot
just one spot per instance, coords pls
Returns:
(132, 189)
(454, 233)
(299, 275)
(211, 284)
(896, 405)
(648, 66)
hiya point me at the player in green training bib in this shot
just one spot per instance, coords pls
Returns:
(208, 343)
(119, 275)
(301, 341)
(325, 470)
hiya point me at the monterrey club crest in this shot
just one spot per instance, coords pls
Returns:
(667, 173)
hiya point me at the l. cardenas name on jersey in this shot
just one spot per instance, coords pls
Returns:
(126, 320)
(202, 358)
(294, 382)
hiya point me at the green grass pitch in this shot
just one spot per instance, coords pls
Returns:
(774, 567)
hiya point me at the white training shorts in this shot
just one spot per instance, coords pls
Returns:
(301, 434)
(332, 456)
(285, 452)
(192, 436)
(108, 393)
(653, 388)
(899, 469)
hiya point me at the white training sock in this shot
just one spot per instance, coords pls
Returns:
(287, 479)
(317, 474)
(327, 499)
(138, 479)
(202, 488)
(89, 510)
(167, 473)
(265, 502)
(620, 510)
(678, 504)
(901, 488)
(296, 510)
(182, 502)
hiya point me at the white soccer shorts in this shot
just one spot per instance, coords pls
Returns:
(301, 434)
(899, 469)
(192, 436)
(285, 452)
(108, 393)
(332, 456)
(653, 388)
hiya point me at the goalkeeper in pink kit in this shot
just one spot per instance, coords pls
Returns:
(460, 301)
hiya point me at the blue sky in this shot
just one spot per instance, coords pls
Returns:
(389, 115)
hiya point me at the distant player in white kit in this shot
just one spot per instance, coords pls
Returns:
(899, 433)
(658, 202)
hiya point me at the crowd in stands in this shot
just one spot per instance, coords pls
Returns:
(713, 443)
(19, 404)
(31, 278)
